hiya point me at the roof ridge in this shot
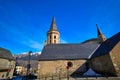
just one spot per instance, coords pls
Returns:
(107, 45)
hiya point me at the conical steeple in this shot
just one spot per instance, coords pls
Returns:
(101, 36)
(53, 34)
(98, 30)
(53, 26)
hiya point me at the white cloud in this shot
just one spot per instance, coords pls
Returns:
(63, 41)
(33, 44)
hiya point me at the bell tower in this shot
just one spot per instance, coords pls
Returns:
(53, 34)
(101, 36)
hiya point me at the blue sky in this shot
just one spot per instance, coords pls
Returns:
(24, 23)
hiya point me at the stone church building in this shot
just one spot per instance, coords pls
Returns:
(99, 54)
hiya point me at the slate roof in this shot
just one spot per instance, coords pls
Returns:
(107, 46)
(67, 51)
(6, 54)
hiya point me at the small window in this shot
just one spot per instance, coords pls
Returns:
(70, 64)
(50, 37)
(54, 37)
(3, 76)
(54, 41)
(50, 41)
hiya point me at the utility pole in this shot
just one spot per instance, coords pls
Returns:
(29, 65)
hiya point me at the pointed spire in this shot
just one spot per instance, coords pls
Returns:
(98, 30)
(101, 37)
(53, 26)
(53, 34)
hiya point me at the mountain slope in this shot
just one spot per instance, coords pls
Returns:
(22, 59)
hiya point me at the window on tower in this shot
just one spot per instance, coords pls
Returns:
(50, 37)
(54, 41)
(54, 37)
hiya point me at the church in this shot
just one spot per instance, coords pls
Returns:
(99, 54)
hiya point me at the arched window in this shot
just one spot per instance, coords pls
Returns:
(50, 36)
(54, 41)
(54, 37)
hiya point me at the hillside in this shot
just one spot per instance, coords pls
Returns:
(22, 59)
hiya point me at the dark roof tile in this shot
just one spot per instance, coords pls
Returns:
(67, 51)
(107, 45)
(4, 53)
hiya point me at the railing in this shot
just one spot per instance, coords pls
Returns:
(88, 78)
(58, 77)
(54, 77)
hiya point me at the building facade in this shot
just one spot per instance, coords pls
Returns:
(106, 59)
(7, 64)
(76, 59)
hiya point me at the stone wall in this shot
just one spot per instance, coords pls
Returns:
(58, 67)
(6, 65)
(108, 64)
(103, 65)
(51, 39)
(115, 56)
